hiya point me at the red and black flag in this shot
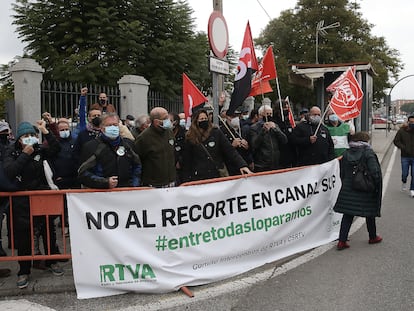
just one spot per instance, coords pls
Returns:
(245, 68)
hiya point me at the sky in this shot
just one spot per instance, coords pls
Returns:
(391, 19)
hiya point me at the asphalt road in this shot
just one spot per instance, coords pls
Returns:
(363, 277)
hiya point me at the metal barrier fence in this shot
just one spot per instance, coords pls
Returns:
(62, 98)
(47, 203)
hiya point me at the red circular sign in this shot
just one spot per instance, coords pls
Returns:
(218, 34)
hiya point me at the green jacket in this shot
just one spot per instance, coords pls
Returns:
(155, 148)
(353, 202)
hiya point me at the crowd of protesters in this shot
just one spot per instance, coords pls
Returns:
(162, 149)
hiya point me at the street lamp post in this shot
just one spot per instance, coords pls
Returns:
(321, 29)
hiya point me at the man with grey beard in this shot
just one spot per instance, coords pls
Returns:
(312, 139)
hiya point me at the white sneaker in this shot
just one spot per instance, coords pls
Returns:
(412, 193)
(404, 186)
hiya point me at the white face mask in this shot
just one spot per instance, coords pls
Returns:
(64, 134)
(31, 140)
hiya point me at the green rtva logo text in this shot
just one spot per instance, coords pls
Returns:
(120, 273)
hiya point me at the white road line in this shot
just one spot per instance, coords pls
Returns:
(201, 294)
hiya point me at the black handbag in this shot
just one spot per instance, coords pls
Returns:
(362, 179)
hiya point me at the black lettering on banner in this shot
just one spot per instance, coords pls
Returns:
(97, 221)
(133, 220)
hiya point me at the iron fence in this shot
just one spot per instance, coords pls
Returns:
(61, 98)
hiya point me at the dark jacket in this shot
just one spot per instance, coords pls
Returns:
(317, 153)
(288, 153)
(404, 140)
(266, 146)
(119, 161)
(155, 148)
(357, 203)
(200, 163)
(28, 173)
(65, 165)
(246, 154)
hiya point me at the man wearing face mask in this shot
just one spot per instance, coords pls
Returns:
(109, 160)
(23, 163)
(91, 131)
(155, 147)
(266, 139)
(340, 133)
(313, 147)
(404, 140)
(103, 105)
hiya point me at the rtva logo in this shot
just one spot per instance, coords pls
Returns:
(117, 272)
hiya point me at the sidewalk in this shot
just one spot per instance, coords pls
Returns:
(44, 282)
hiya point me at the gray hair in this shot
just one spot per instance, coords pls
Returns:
(263, 108)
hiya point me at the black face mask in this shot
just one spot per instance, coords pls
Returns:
(203, 124)
(285, 113)
(96, 121)
(102, 102)
(268, 119)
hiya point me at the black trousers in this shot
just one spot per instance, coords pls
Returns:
(346, 226)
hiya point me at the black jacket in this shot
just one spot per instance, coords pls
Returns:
(266, 146)
(200, 163)
(119, 161)
(28, 173)
(357, 203)
(319, 152)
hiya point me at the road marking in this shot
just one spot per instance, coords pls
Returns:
(201, 294)
(22, 304)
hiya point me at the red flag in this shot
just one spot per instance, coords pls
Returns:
(245, 68)
(290, 115)
(260, 88)
(347, 97)
(267, 68)
(192, 97)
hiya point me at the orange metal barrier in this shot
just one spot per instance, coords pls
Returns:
(45, 203)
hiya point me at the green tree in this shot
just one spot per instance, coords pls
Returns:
(408, 108)
(90, 41)
(293, 38)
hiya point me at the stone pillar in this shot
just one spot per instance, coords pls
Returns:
(134, 95)
(27, 76)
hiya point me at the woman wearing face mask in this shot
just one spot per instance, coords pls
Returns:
(23, 162)
(109, 160)
(340, 133)
(207, 149)
(314, 147)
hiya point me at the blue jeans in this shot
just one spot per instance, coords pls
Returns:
(406, 163)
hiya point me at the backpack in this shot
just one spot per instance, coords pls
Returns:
(362, 179)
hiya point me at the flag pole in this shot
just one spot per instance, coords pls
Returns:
(224, 122)
(322, 118)
(280, 99)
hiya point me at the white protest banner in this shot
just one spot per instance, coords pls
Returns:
(158, 240)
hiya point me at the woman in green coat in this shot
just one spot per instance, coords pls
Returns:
(352, 202)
